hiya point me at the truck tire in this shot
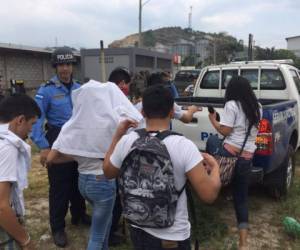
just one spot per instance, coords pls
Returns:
(280, 181)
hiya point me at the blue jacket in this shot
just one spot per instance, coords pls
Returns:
(54, 100)
(174, 90)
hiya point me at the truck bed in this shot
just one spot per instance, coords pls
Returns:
(218, 102)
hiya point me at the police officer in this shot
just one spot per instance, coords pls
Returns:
(54, 100)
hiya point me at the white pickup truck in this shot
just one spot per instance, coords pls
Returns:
(277, 86)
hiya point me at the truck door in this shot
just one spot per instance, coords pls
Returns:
(296, 78)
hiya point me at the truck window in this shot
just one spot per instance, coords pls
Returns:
(227, 75)
(271, 79)
(296, 79)
(211, 80)
(251, 75)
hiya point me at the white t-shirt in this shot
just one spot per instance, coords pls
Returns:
(13, 168)
(8, 162)
(178, 112)
(87, 165)
(98, 108)
(184, 156)
(234, 117)
(190, 88)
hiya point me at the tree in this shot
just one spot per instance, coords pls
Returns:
(273, 54)
(226, 47)
(284, 54)
(148, 39)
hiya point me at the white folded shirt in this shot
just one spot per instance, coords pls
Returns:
(97, 110)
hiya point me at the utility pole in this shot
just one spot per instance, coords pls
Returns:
(190, 18)
(140, 23)
(250, 47)
(102, 62)
(141, 4)
(215, 50)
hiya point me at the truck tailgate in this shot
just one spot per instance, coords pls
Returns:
(199, 129)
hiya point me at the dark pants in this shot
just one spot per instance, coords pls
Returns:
(240, 181)
(144, 241)
(117, 212)
(63, 181)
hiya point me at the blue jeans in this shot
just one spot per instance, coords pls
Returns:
(240, 181)
(100, 193)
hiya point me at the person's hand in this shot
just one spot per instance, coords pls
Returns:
(124, 126)
(43, 156)
(193, 109)
(212, 116)
(30, 246)
(210, 163)
(52, 155)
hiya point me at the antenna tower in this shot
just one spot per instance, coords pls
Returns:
(190, 17)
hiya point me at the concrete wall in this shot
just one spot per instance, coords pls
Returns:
(135, 59)
(92, 66)
(32, 67)
(293, 44)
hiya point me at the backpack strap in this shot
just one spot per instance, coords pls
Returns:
(182, 189)
(164, 134)
(160, 135)
(141, 132)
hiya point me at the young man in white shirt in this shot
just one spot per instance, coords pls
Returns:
(17, 115)
(188, 164)
(85, 138)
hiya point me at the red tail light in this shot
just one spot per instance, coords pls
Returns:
(264, 139)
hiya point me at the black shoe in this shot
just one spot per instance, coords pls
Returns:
(60, 238)
(85, 220)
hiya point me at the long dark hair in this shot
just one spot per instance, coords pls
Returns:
(239, 89)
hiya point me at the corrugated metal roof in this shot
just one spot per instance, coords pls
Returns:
(292, 37)
(30, 48)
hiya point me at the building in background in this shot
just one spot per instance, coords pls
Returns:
(183, 48)
(293, 44)
(29, 64)
(203, 50)
(134, 59)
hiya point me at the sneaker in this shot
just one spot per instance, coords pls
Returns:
(60, 238)
(85, 220)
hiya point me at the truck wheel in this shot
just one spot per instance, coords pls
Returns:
(280, 181)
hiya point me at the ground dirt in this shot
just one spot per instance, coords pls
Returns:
(266, 215)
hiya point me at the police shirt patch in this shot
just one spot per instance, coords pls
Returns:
(39, 96)
(59, 96)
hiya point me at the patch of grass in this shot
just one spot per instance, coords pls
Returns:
(34, 149)
(216, 223)
(290, 207)
(38, 181)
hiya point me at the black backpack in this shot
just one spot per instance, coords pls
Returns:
(146, 182)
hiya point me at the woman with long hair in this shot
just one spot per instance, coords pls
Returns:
(238, 122)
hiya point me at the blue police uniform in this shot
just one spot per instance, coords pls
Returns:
(54, 100)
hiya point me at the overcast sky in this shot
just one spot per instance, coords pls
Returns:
(82, 23)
